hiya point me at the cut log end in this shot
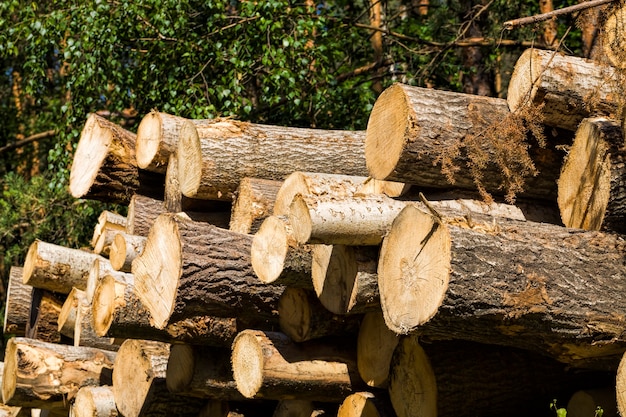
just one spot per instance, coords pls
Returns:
(30, 262)
(269, 249)
(525, 74)
(333, 273)
(413, 270)
(103, 305)
(386, 130)
(148, 139)
(189, 153)
(117, 254)
(180, 367)
(375, 346)
(92, 150)
(300, 220)
(247, 360)
(359, 404)
(294, 313)
(9, 372)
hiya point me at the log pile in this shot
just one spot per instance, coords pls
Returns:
(264, 270)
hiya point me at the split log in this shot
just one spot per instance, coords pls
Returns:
(565, 88)
(191, 268)
(345, 278)
(586, 402)
(536, 286)
(201, 371)
(592, 185)
(104, 166)
(107, 220)
(157, 138)
(139, 384)
(94, 402)
(44, 312)
(57, 268)
(420, 136)
(254, 202)
(277, 258)
(302, 317)
(269, 365)
(214, 156)
(118, 313)
(124, 249)
(366, 404)
(374, 349)
(46, 375)
(18, 302)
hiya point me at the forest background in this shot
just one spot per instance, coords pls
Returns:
(304, 64)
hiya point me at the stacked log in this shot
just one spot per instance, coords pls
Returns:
(280, 271)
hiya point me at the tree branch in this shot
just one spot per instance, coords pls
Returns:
(28, 140)
(511, 24)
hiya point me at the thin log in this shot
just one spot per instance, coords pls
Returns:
(201, 371)
(414, 136)
(139, 384)
(551, 289)
(107, 220)
(302, 317)
(99, 269)
(105, 240)
(94, 402)
(124, 249)
(269, 365)
(366, 404)
(345, 278)
(68, 316)
(254, 202)
(374, 349)
(157, 138)
(215, 156)
(104, 166)
(44, 312)
(191, 268)
(277, 258)
(592, 185)
(567, 88)
(46, 375)
(18, 302)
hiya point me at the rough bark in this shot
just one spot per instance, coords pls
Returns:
(157, 138)
(277, 258)
(124, 249)
(429, 137)
(613, 35)
(94, 402)
(44, 313)
(302, 317)
(269, 365)
(374, 349)
(536, 286)
(215, 156)
(18, 302)
(254, 202)
(46, 375)
(592, 185)
(104, 166)
(139, 384)
(345, 278)
(142, 212)
(191, 268)
(366, 404)
(567, 88)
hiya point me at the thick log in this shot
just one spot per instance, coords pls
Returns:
(374, 349)
(118, 313)
(277, 258)
(536, 286)
(94, 402)
(302, 317)
(586, 402)
(157, 138)
(566, 88)
(345, 278)
(139, 384)
(214, 156)
(142, 212)
(366, 404)
(254, 202)
(44, 312)
(191, 268)
(107, 220)
(104, 166)
(613, 36)
(57, 268)
(201, 371)
(431, 138)
(269, 365)
(18, 302)
(592, 185)
(124, 249)
(46, 375)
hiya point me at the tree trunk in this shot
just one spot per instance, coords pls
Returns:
(592, 185)
(139, 384)
(201, 371)
(57, 268)
(44, 313)
(366, 404)
(530, 285)
(269, 365)
(124, 249)
(107, 221)
(104, 166)
(438, 139)
(345, 278)
(276, 257)
(374, 349)
(567, 88)
(215, 156)
(302, 317)
(254, 202)
(46, 375)
(157, 138)
(94, 402)
(18, 302)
